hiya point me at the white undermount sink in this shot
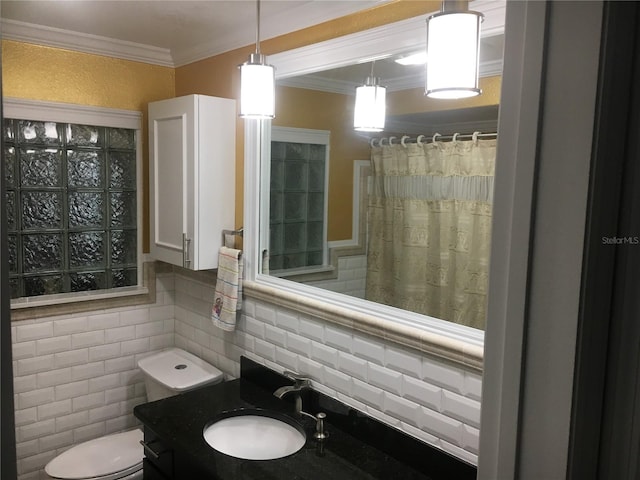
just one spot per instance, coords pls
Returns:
(254, 437)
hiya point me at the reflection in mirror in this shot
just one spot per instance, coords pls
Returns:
(298, 200)
(407, 210)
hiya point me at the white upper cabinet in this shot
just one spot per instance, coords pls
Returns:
(191, 178)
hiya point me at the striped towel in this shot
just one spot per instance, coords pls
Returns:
(228, 294)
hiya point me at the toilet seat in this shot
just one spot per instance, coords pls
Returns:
(107, 458)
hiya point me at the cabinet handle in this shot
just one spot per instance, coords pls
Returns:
(185, 250)
(149, 450)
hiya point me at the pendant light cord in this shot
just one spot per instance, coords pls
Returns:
(258, 26)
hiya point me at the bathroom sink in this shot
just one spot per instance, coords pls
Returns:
(254, 436)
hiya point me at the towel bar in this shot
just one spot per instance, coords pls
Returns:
(238, 232)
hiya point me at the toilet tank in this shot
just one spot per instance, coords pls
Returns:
(175, 371)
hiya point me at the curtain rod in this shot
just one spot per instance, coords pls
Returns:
(425, 139)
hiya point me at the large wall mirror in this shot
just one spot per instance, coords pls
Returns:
(317, 177)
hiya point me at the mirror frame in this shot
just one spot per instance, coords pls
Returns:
(455, 343)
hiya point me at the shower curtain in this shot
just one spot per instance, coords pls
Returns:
(429, 228)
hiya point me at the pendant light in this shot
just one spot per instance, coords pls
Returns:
(257, 82)
(453, 51)
(370, 108)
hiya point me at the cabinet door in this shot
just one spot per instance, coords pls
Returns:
(149, 472)
(159, 460)
(172, 139)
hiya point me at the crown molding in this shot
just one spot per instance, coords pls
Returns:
(298, 17)
(345, 87)
(494, 15)
(491, 69)
(99, 45)
(323, 84)
(84, 42)
(404, 82)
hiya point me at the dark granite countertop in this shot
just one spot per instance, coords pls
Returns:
(180, 420)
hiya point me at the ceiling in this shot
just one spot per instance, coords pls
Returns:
(166, 32)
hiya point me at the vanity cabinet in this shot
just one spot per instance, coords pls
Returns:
(358, 446)
(158, 459)
(163, 463)
(192, 153)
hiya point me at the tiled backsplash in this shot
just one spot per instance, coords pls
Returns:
(76, 376)
(352, 276)
(427, 398)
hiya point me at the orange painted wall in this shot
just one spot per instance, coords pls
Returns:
(301, 108)
(51, 74)
(414, 100)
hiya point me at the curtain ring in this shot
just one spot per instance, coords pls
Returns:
(455, 138)
(391, 139)
(372, 142)
(404, 137)
(419, 139)
(381, 143)
(474, 137)
(433, 139)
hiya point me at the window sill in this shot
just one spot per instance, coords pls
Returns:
(293, 272)
(58, 299)
(70, 303)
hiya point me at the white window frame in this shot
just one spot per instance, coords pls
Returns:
(22, 109)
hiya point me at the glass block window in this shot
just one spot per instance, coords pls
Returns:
(297, 218)
(71, 207)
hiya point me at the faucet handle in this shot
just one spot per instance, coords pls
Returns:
(300, 380)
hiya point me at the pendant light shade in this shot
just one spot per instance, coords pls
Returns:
(257, 83)
(370, 108)
(257, 88)
(453, 52)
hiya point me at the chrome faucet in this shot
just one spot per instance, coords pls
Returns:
(299, 384)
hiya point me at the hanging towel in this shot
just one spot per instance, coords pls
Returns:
(228, 294)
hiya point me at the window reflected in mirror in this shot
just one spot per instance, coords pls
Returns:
(297, 203)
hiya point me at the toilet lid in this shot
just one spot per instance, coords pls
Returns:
(102, 457)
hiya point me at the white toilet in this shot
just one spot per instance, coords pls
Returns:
(119, 456)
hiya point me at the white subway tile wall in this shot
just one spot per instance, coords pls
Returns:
(352, 276)
(76, 377)
(432, 400)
